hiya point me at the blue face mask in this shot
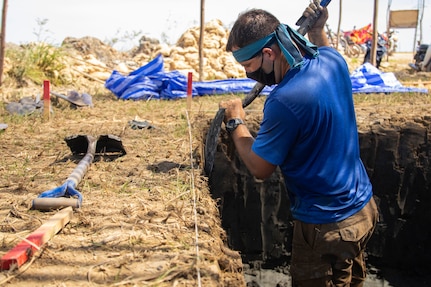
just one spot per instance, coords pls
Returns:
(262, 77)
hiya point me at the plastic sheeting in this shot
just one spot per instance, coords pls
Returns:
(152, 82)
(368, 79)
(149, 81)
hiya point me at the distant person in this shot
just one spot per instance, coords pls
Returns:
(426, 64)
(422, 60)
(380, 51)
(309, 130)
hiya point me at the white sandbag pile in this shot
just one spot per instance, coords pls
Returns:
(91, 59)
(96, 59)
(217, 63)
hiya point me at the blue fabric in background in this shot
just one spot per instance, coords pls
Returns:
(368, 79)
(152, 82)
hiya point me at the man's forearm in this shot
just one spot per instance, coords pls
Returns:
(257, 166)
(318, 37)
(243, 141)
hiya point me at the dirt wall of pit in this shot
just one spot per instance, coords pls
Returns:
(395, 152)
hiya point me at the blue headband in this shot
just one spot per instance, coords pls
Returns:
(284, 35)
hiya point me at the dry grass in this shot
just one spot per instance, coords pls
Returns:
(140, 212)
(147, 218)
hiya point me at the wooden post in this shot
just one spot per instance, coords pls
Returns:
(3, 39)
(46, 100)
(375, 34)
(201, 41)
(340, 16)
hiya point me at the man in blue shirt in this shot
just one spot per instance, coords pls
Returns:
(308, 130)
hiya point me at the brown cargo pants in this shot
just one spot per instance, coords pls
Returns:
(332, 254)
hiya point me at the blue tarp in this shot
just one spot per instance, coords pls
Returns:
(368, 79)
(152, 82)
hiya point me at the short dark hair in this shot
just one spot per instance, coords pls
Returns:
(251, 26)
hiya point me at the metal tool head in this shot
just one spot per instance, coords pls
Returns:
(106, 144)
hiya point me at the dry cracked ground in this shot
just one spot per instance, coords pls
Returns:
(147, 217)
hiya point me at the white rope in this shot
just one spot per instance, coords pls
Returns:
(195, 213)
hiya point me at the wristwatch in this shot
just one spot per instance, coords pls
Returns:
(232, 124)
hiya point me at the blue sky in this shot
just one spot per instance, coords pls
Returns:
(168, 19)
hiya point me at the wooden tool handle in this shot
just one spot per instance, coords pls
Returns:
(49, 203)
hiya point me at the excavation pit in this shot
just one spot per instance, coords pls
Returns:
(395, 151)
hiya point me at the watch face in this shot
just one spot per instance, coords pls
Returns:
(232, 124)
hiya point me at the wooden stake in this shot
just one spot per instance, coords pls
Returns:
(46, 100)
(24, 250)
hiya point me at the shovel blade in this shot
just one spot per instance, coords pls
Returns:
(106, 144)
(78, 144)
(110, 144)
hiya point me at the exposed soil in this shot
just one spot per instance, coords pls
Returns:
(148, 218)
(394, 132)
(395, 151)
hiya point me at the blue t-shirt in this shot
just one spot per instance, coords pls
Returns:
(309, 130)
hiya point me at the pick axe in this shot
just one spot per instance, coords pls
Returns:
(304, 24)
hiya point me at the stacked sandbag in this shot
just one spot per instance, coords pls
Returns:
(217, 63)
(90, 58)
(87, 66)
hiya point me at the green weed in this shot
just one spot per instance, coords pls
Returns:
(36, 62)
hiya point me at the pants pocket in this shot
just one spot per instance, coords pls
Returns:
(356, 232)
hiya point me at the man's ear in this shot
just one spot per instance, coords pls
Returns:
(270, 52)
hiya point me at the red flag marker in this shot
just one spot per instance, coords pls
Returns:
(189, 91)
(46, 100)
